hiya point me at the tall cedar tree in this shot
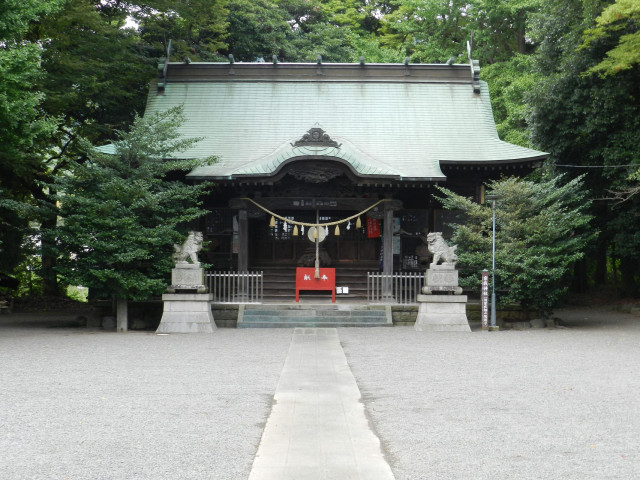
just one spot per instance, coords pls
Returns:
(121, 214)
(542, 229)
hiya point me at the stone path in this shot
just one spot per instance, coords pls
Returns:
(318, 428)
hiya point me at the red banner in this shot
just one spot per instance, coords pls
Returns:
(373, 228)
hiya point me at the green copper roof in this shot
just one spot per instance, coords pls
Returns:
(390, 121)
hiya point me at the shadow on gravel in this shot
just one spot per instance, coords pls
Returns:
(593, 318)
(40, 320)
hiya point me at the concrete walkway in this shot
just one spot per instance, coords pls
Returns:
(318, 429)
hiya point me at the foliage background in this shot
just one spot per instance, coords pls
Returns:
(563, 74)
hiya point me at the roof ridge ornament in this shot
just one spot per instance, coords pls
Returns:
(162, 69)
(475, 69)
(316, 137)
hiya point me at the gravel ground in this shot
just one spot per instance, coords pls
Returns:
(76, 404)
(535, 404)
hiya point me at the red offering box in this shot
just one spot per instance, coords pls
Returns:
(305, 280)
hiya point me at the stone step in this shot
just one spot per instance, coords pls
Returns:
(314, 313)
(324, 319)
(309, 307)
(309, 325)
(289, 316)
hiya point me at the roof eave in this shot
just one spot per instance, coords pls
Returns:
(520, 161)
(270, 178)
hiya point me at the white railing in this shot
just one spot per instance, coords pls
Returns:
(397, 288)
(235, 287)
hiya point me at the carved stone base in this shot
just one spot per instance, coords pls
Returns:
(187, 277)
(442, 313)
(187, 313)
(441, 278)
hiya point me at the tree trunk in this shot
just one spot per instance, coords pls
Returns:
(522, 40)
(48, 255)
(580, 282)
(628, 276)
(122, 319)
(601, 213)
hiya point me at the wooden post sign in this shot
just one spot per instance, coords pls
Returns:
(305, 280)
(484, 300)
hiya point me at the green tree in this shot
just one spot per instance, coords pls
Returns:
(23, 123)
(338, 31)
(428, 31)
(197, 28)
(259, 28)
(122, 213)
(622, 22)
(500, 28)
(542, 229)
(589, 123)
(510, 82)
(95, 77)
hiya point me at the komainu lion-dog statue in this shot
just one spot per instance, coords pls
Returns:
(440, 250)
(189, 249)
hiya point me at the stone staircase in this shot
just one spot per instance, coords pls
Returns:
(313, 315)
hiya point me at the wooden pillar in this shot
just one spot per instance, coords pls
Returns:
(243, 241)
(387, 249)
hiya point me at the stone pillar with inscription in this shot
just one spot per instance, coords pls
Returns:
(442, 307)
(187, 305)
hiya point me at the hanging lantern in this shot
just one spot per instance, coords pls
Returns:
(358, 223)
(337, 232)
(295, 230)
(272, 223)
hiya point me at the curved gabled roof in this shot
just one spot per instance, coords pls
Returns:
(392, 121)
(342, 151)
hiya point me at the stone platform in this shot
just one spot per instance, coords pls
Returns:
(187, 313)
(442, 313)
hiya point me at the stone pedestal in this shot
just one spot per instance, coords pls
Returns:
(442, 313)
(187, 313)
(441, 278)
(187, 276)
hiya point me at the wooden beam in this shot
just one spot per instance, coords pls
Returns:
(297, 203)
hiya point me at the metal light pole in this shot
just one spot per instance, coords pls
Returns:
(492, 324)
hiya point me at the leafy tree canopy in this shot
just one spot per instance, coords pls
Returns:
(509, 84)
(23, 123)
(621, 21)
(197, 28)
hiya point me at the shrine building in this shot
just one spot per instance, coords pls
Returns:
(357, 146)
